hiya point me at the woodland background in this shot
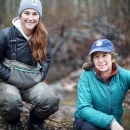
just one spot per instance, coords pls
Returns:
(73, 26)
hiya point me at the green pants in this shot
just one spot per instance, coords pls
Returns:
(40, 95)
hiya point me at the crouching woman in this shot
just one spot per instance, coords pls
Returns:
(25, 57)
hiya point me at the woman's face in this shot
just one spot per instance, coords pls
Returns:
(29, 19)
(103, 61)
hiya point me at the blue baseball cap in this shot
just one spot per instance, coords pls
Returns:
(103, 45)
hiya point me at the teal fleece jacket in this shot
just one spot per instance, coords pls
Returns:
(98, 102)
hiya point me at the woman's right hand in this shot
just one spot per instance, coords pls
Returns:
(116, 126)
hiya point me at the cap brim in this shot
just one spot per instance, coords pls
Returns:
(100, 49)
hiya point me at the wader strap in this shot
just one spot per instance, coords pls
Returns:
(13, 43)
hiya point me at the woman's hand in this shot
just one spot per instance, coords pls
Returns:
(116, 126)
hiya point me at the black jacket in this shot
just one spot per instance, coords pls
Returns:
(23, 54)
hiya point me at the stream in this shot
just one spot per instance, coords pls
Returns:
(68, 103)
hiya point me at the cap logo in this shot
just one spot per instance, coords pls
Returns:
(99, 43)
(34, 2)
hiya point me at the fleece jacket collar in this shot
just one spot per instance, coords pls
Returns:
(17, 23)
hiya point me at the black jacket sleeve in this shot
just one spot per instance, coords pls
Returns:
(4, 71)
(45, 65)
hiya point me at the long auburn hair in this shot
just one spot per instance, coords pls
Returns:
(38, 42)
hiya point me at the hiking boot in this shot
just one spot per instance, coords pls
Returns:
(13, 126)
(32, 126)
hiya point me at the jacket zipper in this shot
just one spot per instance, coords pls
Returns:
(109, 98)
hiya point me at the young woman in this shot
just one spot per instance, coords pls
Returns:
(25, 56)
(101, 89)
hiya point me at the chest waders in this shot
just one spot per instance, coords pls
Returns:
(22, 75)
(25, 84)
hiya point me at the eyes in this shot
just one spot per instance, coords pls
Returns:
(96, 55)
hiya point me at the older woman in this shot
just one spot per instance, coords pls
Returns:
(101, 89)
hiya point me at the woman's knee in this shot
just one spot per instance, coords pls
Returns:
(47, 108)
(54, 104)
(45, 98)
(10, 107)
(49, 104)
(80, 124)
(11, 104)
(88, 126)
(10, 100)
(77, 123)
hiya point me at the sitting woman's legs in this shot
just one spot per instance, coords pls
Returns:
(88, 126)
(80, 124)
